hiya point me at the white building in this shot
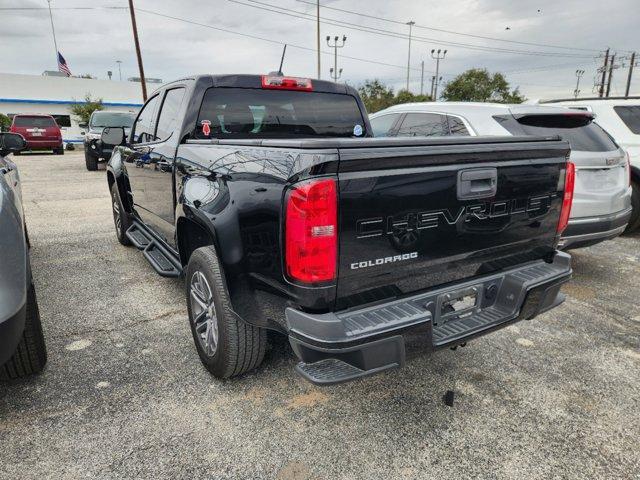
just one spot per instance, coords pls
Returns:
(54, 96)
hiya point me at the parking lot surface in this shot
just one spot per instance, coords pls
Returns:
(124, 394)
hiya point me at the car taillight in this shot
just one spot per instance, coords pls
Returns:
(567, 198)
(311, 231)
(286, 83)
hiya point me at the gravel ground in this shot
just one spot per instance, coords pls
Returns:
(125, 396)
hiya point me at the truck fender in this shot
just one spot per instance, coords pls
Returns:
(116, 174)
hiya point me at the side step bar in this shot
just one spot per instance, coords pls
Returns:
(163, 261)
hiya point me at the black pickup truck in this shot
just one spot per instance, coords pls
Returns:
(269, 196)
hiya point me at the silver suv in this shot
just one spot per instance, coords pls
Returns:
(602, 197)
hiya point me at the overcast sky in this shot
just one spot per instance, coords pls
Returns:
(92, 40)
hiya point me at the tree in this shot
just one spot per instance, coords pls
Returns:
(83, 110)
(5, 122)
(377, 96)
(478, 85)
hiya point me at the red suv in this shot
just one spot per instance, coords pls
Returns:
(40, 131)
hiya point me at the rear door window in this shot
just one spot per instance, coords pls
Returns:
(630, 116)
(42, 122)
(168, 118)
(263, 113)
(579, 130)
(456, 127)
(382, 125)
(423, 125)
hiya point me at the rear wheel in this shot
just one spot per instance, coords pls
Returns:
(634, 222)
(227, 346)
(121, 219)
(31, 355)
(59, 151)
(90, 161)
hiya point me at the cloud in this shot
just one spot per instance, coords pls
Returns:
(92, 40)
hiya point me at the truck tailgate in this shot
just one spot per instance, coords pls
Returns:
(413, 216)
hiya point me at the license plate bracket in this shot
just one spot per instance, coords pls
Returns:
(458, 304)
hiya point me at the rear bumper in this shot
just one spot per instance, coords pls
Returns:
(343, 346)
(586, 231)
(43, 144)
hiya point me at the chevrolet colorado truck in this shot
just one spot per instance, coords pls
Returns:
(269, 196)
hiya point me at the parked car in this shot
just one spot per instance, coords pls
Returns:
(602, 199)
(620, 117)
(40, 131)
(267, 194)
(94, 149)
(22, 347)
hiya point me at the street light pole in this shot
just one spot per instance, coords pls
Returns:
(335, 74)
(119, 70)
(611, 67)
(318, 35)
(143, 82)
(422, 77)
(579, 74)
(436, 56)
(411, 24)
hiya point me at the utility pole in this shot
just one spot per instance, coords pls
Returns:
(433, 82)
(335, 74)
(318, 35)
(604, 73)
(579, 74)
(143, 82)
(53, 30)
(631, 65)
(411, 24)
(119, 62)
(422, 77)
(611, 64)
(436, 56)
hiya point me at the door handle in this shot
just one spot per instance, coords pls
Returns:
(477, 183)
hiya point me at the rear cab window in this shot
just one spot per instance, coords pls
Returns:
(630, 115)
(229, 112)
(579, 130)
(33, 121)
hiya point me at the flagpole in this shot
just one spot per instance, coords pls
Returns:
(55, 44)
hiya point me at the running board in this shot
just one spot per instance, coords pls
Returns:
(163, 261)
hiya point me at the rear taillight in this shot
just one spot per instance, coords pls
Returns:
(311, 231)
(286, 83)
(567, 198)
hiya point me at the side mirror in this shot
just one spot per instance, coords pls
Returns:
(12, 143)
(112, 136)
(83, 125)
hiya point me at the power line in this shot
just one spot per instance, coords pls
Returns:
(397, 22)
(256, 37)
(388, 33)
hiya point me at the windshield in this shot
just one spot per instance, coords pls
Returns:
(111, 119)
(43, 122)
(258, 113)
(630, 116)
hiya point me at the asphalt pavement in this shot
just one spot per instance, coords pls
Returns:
(124, 394)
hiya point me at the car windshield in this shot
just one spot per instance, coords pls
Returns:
(25, 121)
(261, 113)
(112, 119)
(630, 116)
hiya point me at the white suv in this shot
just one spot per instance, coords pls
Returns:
(602, 197)
(621, 118)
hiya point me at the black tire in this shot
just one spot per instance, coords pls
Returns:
(59, 151)
(31, 355)
(118, 209)
(634, 222)
(17, 153)
(240, 347)
(90, 161)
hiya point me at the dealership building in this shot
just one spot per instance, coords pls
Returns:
(54, 95)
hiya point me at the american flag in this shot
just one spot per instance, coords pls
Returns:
(62, 65)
